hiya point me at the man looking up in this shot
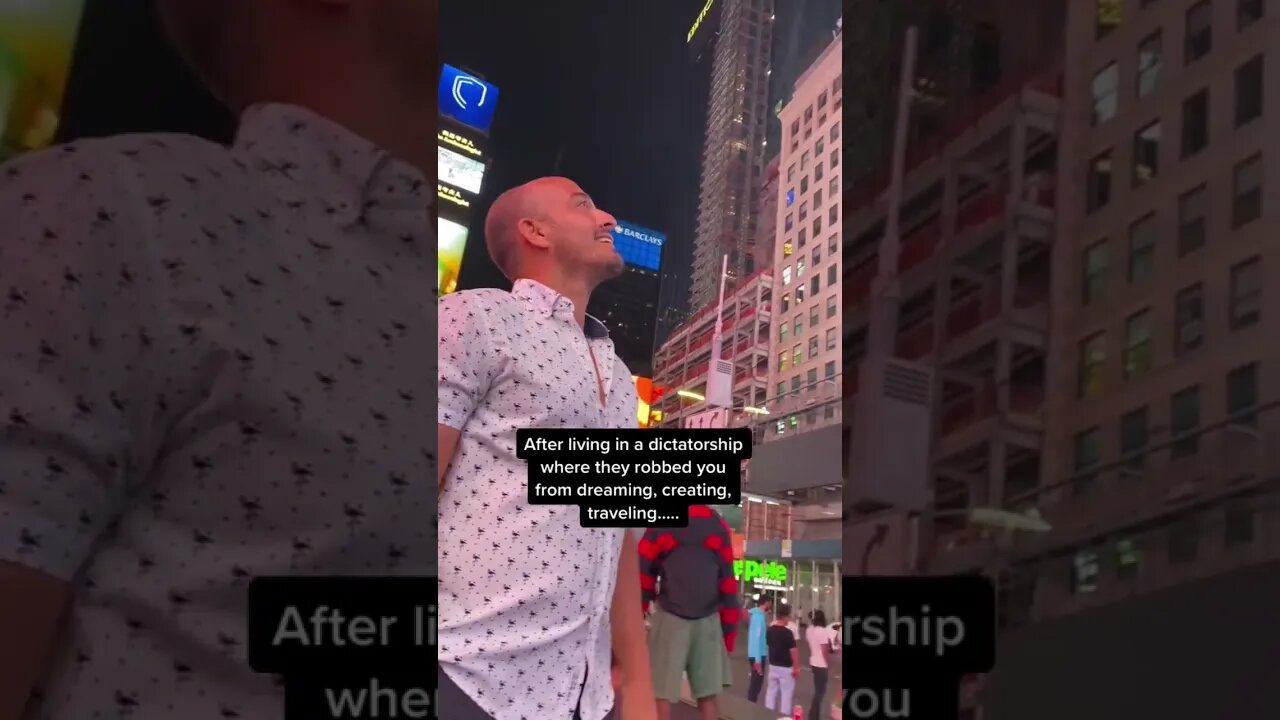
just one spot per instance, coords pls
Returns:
(531, 602)
(211, 362)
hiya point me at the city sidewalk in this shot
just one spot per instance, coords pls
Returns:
(733, 702)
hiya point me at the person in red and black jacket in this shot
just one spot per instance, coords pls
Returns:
(689, 572)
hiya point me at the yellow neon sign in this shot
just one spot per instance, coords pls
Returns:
(447, 193)
(698, 23)
(462, 143)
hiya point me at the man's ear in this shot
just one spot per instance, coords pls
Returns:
(532, 232)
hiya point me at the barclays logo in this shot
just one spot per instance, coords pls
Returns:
(638, 235)
(460, 85)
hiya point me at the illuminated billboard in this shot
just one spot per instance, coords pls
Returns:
(458, 170)
(639, 246)
(467, 99)
(452, 240)
(36, 48)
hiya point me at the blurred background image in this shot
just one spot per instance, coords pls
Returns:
(37, 41)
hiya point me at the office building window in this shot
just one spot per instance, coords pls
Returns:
(1188, 319)
(817, 172)
(789, 222)
(1195, 123)
(1246, 294)
(1128, 559)
(1134, 434)
(795, 388)
(1107, 16)
(1087, 457)
(1248, 12)
(817, 225)
(834, 159)
(1192, 224)
(804, 206)
(831, 275)
(831, 306)
(1138, 345)
(1084, 572)
(1093, 282)
(829, 370)
(1106, 93)
(1242, 395)
(1239, 523)
(1246, 192)
(817, 256)
(786, 302)
(1142, 249)
(1199, 24)
(1093, 353)
(1150, 60)
(835, 131)
(818, 147)
(812, 378)
(800, 295)
(813, 315)
(800, 267)
(783, 331)
(804, 160)
(786, 276)
(1099, 189)
(802, 237)
(833, 188)
(782, 389)
(798, 325)
(797, 355)
(1249, 91)
(817, 197)
(804, 188)
(782, 360)
(1146, 153)
(831, 338)
(1184, 540)
(813, 347)
(833, 214)
(1185, 422)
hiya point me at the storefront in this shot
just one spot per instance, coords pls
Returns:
(802, 573)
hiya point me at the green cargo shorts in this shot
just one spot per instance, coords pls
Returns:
(678, 646)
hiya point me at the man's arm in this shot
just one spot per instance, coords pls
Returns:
(39, 600)
(730, 607)
(466, 361)
(79, 423)
(629, 643)
(650, 566)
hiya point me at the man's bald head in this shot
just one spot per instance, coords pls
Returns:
(502, 224)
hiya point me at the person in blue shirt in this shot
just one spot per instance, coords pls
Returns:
(756, 648)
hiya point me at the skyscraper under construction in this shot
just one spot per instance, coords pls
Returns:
(733, 157)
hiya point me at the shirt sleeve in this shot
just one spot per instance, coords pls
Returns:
(730, 607)
(466, 358)
(651, 555)
(78, 420)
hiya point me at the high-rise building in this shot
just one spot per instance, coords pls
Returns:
(804, 362)
(1159, 455)
(733, 158)
(628, 304)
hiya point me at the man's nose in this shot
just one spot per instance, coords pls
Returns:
(607, 221)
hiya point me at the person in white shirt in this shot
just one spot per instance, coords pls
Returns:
(214, 362)
(533, 606)
(821, 641)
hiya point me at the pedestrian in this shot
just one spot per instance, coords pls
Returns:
(821, 641)
(687, 575)
(757, 650)
(193, 341)
(784, 661)
(538, 606)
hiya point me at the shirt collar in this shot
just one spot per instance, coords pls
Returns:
(556, 305)
(352, 175)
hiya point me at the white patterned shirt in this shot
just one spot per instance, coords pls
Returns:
(525, 590)
(214, 364)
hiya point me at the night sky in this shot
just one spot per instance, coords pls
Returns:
(600, 91)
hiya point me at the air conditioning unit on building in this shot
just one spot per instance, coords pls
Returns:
(889, 451)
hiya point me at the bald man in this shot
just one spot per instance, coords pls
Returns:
(533, 605)
(211, 362)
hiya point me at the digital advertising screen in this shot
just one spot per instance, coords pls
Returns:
(452, 240)
(37, 41)
(639, 246)
(467, 99)
(459, 170)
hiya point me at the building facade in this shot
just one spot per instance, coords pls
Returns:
(1157, 460)
(804, 357)
(733, 157)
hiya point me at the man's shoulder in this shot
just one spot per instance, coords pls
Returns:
(113, 169)
(482, 300)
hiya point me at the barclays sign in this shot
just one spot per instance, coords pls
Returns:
(639, 246)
